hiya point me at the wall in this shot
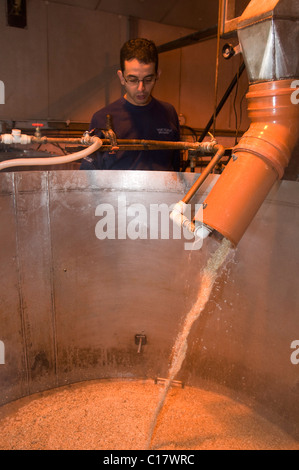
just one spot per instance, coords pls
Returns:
(188, 78)
(63, 66)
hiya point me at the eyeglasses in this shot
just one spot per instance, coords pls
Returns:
(134, 81)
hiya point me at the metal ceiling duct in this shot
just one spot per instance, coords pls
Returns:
(268, 32)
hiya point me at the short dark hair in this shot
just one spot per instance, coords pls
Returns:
(143, 50)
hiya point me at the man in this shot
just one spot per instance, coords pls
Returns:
(137, 115)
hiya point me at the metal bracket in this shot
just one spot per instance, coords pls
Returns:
(174, 383)
(110, 134)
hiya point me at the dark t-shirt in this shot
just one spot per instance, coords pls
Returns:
(155, 121)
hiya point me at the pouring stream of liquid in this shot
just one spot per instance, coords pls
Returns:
(207, 281)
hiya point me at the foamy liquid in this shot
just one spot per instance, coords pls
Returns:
(207, 281)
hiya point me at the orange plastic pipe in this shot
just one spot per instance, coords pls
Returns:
(258, 160)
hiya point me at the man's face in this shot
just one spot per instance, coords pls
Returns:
(138, 92)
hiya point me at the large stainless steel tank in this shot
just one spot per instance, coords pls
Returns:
(71, 304)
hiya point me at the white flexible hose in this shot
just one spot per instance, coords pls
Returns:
(97, 143)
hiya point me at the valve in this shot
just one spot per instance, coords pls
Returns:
(37, 126)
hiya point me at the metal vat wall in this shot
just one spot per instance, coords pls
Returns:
(71, 304)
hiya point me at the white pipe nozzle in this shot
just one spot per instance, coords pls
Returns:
(202, 231)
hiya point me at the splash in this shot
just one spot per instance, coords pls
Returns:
(207, 281)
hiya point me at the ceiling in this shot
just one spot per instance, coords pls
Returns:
(193, 14)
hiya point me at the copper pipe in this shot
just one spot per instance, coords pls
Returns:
(55, 140)
(259, 160)
(130, 144)
(204, 148)
(122, 144)
(135, 144)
